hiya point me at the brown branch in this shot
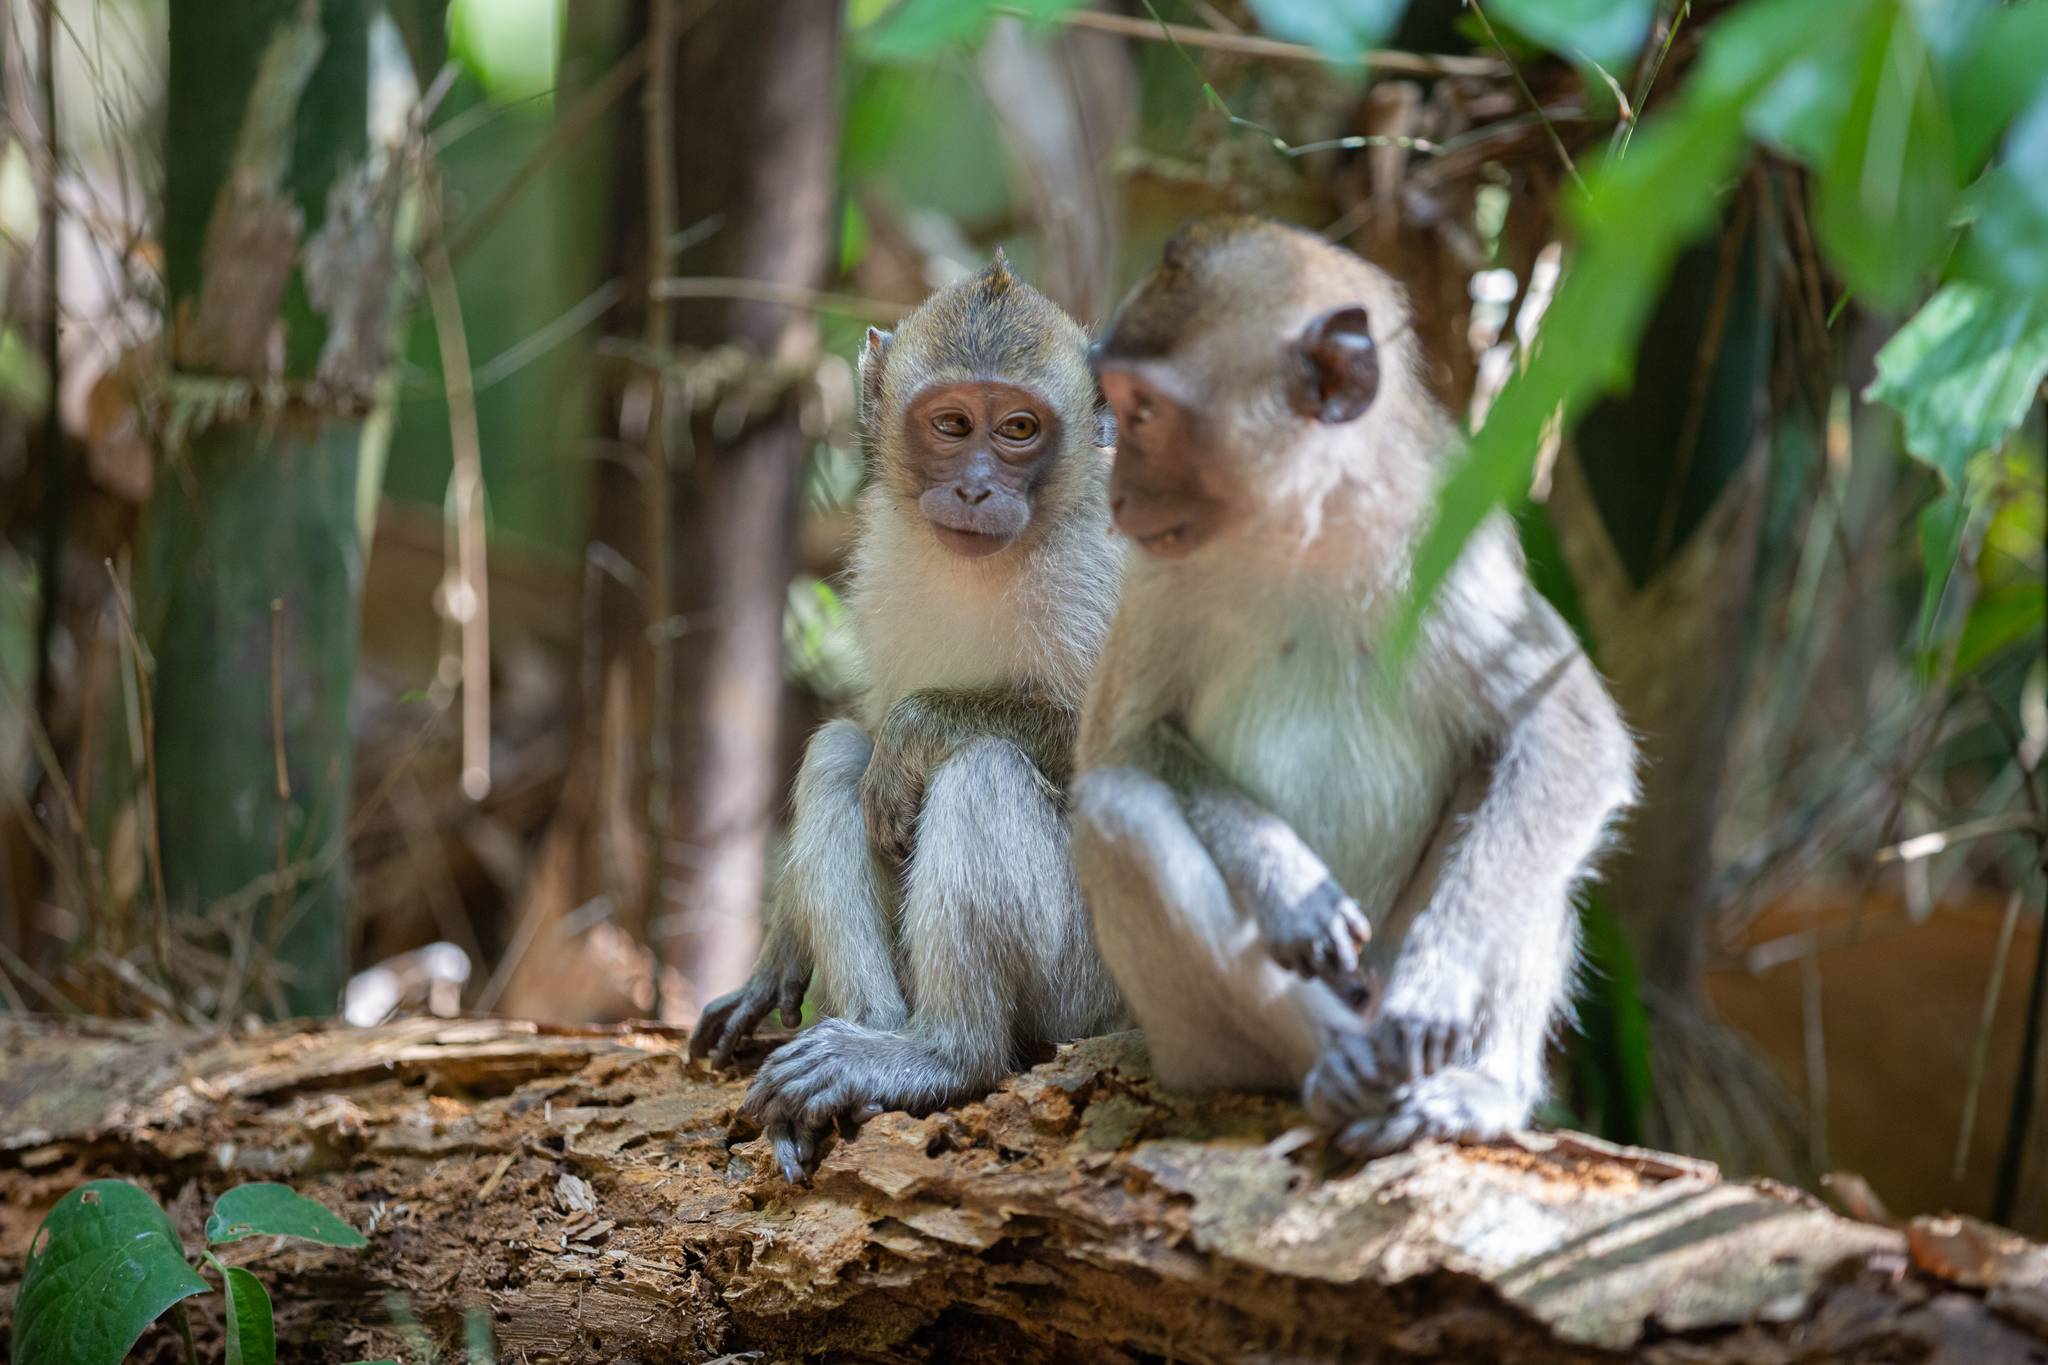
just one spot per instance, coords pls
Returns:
(785, 295)
(1079, 1211)
(1249, 45)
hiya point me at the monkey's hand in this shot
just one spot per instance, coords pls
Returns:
(839, 1074)
(731, 1019)
(891, 794)
(1319, 933)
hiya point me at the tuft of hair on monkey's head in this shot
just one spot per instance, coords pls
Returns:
(1253, 370)
(979, 410)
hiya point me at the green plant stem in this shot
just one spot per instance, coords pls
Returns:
(184, 1321)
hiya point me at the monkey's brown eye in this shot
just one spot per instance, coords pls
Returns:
(1018, 426)
(952, 424)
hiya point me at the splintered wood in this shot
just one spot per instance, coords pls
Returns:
(589, 1191)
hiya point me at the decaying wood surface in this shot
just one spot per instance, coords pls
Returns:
(589, 1191)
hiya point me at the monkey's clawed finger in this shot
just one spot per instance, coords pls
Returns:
(1345, 1081)
(726, 1021)
(792, 1000)
(796, 1150)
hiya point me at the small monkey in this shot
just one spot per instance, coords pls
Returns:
(1261, 823)
(928, 894)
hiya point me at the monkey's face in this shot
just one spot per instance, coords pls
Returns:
(979, 450)
(1229, 379)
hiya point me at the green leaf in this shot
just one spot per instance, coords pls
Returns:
(103, 1266)
(1608, 31)
(1942, 523)
(1636, 214)
(1885, 198)
(252, 1337)
(914, 29)
(270, 1210)
(2000, 77)
(1611, 1056)
(1341, 30)
(2008, 246)
(1998, 620)
(1962, 371)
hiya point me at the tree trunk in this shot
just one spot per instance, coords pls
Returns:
(586, 1190)
(756, 119)
(277, 244)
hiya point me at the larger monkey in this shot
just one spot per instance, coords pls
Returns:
(927, 892)
(1252, 795)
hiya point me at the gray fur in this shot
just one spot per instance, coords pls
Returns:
(928, 893)
(1250, 787)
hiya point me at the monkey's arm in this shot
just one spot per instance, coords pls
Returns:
(1488, 959)
(1306, 920)
(926, 727)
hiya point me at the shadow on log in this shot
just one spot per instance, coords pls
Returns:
(587, 1190)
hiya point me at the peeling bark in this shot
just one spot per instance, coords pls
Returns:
(587, 1189)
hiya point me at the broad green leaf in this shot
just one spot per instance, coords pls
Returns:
(1607, 31)
(1339, 29)
(1998, 620)
(252, 1337)
(104, 1265)
(1962, 371)
(1637, 212)
(1942, 524)
(1801, 112)
(2008, 246)
(1611, 1055)
(2001, 76)
(270, 1210)
(1885, 196)
(914, 29)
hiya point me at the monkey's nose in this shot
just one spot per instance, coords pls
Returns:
(973, 497)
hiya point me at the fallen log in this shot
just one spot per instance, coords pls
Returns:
(588, 1191)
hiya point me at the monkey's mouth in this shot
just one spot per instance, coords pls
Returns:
(970, 544)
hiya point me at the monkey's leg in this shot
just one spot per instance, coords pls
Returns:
(997, 951)
(829, 916)
(1217, 1010)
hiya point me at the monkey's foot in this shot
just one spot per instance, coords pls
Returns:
(838, 1074)
(1459, 1104)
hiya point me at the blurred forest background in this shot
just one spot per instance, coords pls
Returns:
(425, 459)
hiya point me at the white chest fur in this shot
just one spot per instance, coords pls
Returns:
(927, 619)
(1290, 704)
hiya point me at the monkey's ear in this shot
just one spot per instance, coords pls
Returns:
(1105, 423)
(874, 355)
(1334, 369)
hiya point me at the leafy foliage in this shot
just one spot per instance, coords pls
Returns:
(1604, 31)
(252, 1336)
(1340, 29)
(1962, 372)
(106, 1263)
(915, 28)
(265, 1209)
(1886, 135)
